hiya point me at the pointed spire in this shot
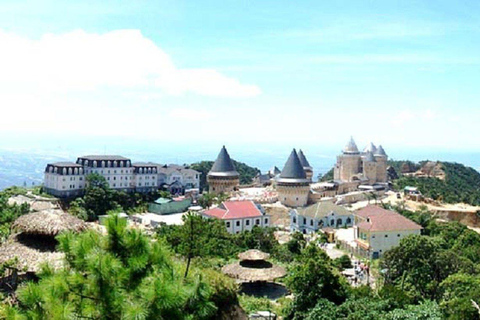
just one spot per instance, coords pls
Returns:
(293, 168)
(371, 147)
(274, 171)
(380, 151)
(351, 147)
(223, 165)
(303, 160)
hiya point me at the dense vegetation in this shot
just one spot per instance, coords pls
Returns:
(100, 199)
(122, 275)
(328, 176)
(8, 213)
(403, 166)
(461, 184)
(433, 276)
(246, 172)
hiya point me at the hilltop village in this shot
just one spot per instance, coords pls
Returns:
(273, 241)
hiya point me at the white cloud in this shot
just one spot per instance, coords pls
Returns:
(78, 61)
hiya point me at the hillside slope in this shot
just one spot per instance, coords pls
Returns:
(453, 182)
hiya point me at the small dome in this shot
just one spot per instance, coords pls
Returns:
(351, 147)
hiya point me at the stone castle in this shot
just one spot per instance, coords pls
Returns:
(354, 170)
(368, 167)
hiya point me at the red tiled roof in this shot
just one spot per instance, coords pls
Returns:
(379, 219)
(234, 210)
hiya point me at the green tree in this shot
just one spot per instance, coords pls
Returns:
(458, 292)
(122, 275)
(311, 278)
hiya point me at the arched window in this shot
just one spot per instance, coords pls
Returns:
(64, 170)
(332, 222)
(349, 220)
(339, 222)
(94, 163)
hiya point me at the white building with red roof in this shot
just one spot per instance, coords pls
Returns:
(239, 215)
(378, 230)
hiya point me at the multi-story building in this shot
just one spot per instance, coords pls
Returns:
(117, 170)
(320, 215)
(145, 177)
(378, 230)
(67, 179)
(64, 179)
(239, 215)
(177, 178)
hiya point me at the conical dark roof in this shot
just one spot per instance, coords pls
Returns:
(380, 151)
(303, 160)
(223, 166)
(293, 170)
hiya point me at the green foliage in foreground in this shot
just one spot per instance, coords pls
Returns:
(123, 275)
(461, 184)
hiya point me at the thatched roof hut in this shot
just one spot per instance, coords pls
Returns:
(30, 253)
(48, 223)
(237, 271)
(254, 267)
(254, 255)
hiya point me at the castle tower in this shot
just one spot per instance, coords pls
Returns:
(370, 167)
(292, 184)
(349, 163)
(370, 148)
(306, 166)
(381, 158)
(223, 177)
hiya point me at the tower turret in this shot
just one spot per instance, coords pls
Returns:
(223, 177)
(306, 166)
(292, 184)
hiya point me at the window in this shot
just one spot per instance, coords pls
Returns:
(228, 224)
(386, 236)
(311, 222)
(247, 222)
(373, 237)
(398, 235)
(238, 223)
(266, 221)
(349, 220)
(257, 221)
(304, 220)
(332, 222)
(294, 220)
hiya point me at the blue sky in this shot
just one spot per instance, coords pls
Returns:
(404, 74)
